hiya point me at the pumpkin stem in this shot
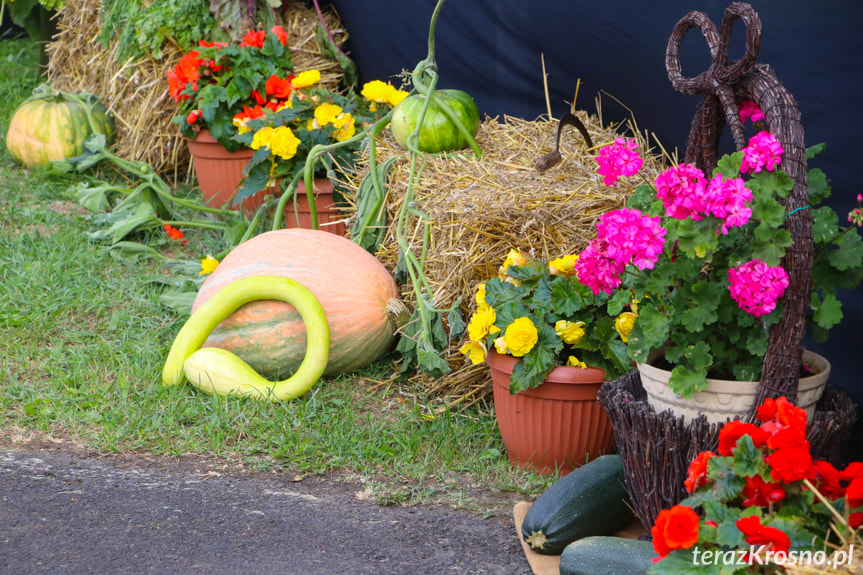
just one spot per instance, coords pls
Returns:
(397, 313)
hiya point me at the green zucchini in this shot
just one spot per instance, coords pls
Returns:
(591, 500)
(607, 556)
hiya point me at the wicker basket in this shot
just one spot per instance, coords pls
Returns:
(656, 448)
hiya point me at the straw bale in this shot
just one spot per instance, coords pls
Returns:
(136, 91)
(477, 210)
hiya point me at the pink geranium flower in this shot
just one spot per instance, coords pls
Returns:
(727, 200)
(756, 287)
(682, 190)
(763, 152)
(749, 110)
(618, 159)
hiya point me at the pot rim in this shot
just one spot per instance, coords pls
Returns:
(563, 374)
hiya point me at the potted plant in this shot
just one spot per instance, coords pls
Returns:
(701, 254)
(282, 132)
(761, 503)
(550, 344)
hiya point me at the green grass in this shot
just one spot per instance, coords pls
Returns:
(83, 337)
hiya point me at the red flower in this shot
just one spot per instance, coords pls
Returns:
(254, 39)
(205, 44)
(854, 493)
(789, 414)
(698, 471)
(758, 534)
(790, 464)
(760, 493)
(853, 471)
(734, 430)
(193, 116)
(783, 437)
(675, 528)
(260, 100)
(174, 233)
(185, 72)
(278, 88)
(855, 520)
(249, 113)
(825, 477)
(767, 410)
(280, 34)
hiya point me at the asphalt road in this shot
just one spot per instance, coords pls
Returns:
(61, 513)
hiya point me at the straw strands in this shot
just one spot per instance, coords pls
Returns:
(136, 91)
(477, 210)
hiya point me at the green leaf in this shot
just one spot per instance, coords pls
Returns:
(703, 301)
(849, 252)
(828, 312)
(686, 382)
(819, 187)
(568, 297)
(770, 212)
(699, 356)
(682, 562)
(650, 332)
(748, 459)
(729, 165)
(814, 150)
(456, 323)
(619, 300)
(772, 252)
(643, 196)
(431, 363)
(825, 224)
(771, 183)
(180, 302)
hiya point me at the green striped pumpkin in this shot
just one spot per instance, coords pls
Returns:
(358, 294)
(53, 125)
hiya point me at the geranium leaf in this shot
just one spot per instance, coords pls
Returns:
(686, 382)
(828, 312)
(849, 253)
(770, 183)
(699, 356)
(643, 196)
(729, 165)
(825, 225)
(771, 252)
(703, 301)
(766, 209)
(819, 187)
(618, 301)
(650, 331)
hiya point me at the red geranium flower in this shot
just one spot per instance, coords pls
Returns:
(698, 471)
(825, 477)
(280, 34)
(790, 464)
(675, 528)
(854, 493)
(853, 471)
(760, 493)
(855, 520)
(254, 39)
(734, 430)
(758, 534)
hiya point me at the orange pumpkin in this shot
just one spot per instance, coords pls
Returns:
(354, 288)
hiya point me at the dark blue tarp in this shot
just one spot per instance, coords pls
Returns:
(493, 49)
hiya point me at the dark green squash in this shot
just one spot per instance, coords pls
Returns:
(438, 132)
(591, 500)
(607, 556)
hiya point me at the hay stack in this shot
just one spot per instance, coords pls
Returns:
(136, 91)
(479, 210)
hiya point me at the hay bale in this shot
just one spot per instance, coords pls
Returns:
(136, 91)
(479, 209)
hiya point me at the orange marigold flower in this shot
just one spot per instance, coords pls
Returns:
(675, 528)
(698, 471)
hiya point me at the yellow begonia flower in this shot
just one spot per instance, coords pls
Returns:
(570, 332)
(208, 265)
(306, 79)
(262, 137)
(623, 324)
(513, 258)
(564, 266)
(327, 113)
(500, 346)
(482, 322)
(345, 127)
(475, 351)
(395, 97)
(575, 362)
(480, 294)
(284, 143)
(376, 91)
(520, 336)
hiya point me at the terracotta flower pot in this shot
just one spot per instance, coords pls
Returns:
(724, 399)
(558, 425)
(220, 172)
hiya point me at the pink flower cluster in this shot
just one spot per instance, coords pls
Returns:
(750, 110)
(618, 160)
(622, 236)
(685, 193)
(763, 151)
(756, 287)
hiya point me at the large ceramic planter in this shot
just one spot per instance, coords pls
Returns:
(558, 425)
(723, 399)
(220, 173)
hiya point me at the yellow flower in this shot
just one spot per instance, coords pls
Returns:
(513, 258)
(208, 265)
(482, 322)
(575, 362)
(376, 91)
(262, 137)
(284, 143)
(623, 324)
(474, 350)
(395, 97)
(306, 79)
(289, 103)
(480, 294)
(570, 332)
(345, 127)
(500, 346)
(327, 113)
(564, 266)
(520, 336)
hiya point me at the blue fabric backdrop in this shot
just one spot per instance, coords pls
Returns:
(493, 48)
